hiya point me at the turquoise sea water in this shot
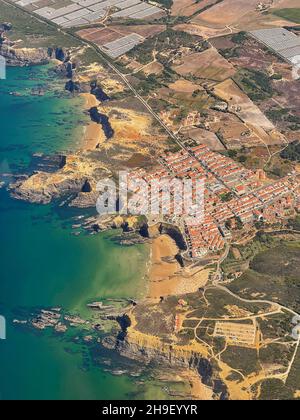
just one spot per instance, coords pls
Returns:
(42, 264)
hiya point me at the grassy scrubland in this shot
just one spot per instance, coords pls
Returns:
(274, 274)
(33, 32)
(256, 84)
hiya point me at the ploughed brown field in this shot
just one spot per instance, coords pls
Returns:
(227, 12)
(102, 36)
(231, 16)
(189, 7)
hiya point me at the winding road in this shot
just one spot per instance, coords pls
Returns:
(172, 135)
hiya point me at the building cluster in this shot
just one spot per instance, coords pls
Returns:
(193, 119)
(233, 196)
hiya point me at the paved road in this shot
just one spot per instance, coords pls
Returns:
(218, 275)
(107, 62)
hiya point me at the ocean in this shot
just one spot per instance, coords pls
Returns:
(44, 265)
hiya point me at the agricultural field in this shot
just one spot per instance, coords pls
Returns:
(234, 133)
(184, 86)
(225, 17)
(291, 14)
(197, 102)
(70, 14)
(30, 33)
(205, 31)
(226, 12)
(266, 79)
(249, 113)
(203, 136)
(208, 65)
(190, 7)
(116, 40)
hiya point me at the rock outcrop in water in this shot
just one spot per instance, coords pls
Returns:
(72, 86)
(37, 189)
(76, 178)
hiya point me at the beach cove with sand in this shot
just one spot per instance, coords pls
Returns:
(166, 276)
(93, 132)
(44, 265)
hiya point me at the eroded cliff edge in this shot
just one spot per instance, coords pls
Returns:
(186, 361)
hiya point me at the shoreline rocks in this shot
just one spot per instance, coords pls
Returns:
(21, 57)
(155, 357)
(76, 179)
(37, 190)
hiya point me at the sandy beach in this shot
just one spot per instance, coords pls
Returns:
(167, 277)
(93, 133)
(163, 266)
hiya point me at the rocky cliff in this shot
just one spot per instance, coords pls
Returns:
(24, 56)
(151, 350)
(145, 353)
(77, 177)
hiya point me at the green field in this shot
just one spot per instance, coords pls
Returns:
(165, 3)
(290, 14)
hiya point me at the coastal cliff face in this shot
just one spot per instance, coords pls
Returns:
(20, 57)
(149, 350)
(24, 56)
(147, 354)
(38, 189)
(77, 176)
